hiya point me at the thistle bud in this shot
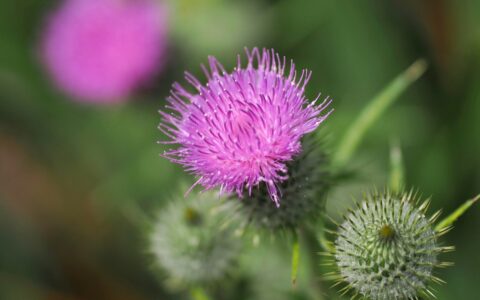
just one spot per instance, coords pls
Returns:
(303, 192)
(387, 248)
(193, 240)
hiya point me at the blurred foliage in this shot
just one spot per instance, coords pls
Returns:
(76, 180)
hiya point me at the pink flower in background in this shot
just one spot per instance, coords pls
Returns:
(100, 50)
(241, 128)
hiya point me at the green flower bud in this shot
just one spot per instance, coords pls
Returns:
(302, 193)
(193, 239)
(387, 248)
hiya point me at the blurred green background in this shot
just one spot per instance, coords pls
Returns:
(76, 181)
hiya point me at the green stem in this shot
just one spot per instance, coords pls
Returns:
(450, 219)
(198, 293)
(322, 239)
(397, 170)
(295, 259)
(374, 110)
(312, 246)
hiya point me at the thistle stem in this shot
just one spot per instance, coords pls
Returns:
(312, 245)
(372, 112)
(322, 239)
(198, 293)
(450, 219)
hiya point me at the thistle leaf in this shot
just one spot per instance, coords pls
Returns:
(295, 260)
(450, 219)
(372, 112)
(397, 170)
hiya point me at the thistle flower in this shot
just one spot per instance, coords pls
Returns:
(387, 248)
(303, 192)
(193, 240)
(99, 51)
(241, 129)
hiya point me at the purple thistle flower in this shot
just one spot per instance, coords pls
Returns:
(241, 128)
(100, 51)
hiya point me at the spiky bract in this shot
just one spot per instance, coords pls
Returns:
(386, 248)
(193, 239)
(302, 193)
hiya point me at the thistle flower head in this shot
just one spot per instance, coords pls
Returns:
(241, 129)
(192, 240)
(98, 51)
(387, 248)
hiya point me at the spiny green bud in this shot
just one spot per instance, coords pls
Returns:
(193, 240)
(387, 248)
(302, 193)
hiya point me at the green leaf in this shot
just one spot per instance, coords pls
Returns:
(397, 169)
(449, 220)
(372, 112)
(295, 259)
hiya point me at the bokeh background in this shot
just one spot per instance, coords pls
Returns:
(77, 180)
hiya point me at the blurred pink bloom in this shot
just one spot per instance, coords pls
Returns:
(98, 51)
